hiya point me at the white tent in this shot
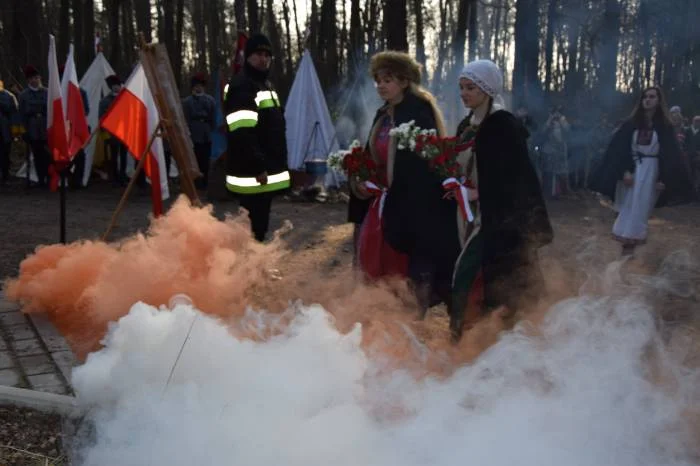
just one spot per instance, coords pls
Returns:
(93, 82)
(310, 131)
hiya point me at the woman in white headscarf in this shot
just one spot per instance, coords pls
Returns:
(499, 247)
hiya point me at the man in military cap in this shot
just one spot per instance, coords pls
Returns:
(200, 111)
(32, 108)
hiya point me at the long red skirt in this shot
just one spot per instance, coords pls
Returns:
(376, 258)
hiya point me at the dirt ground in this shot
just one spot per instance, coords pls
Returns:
(321, 239)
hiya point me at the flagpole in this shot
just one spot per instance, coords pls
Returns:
(62, 191)
(132, 181)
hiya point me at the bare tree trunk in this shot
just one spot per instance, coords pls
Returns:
(355, 42)
(115, 52)
(64, 35)
(549, 44)
(314, 31)
(179, 28)
(525, 79)
(572, 82)
(460, 34)
(300, 46)
(288, 36)
(143, 18)
(216, 44)
(396, 25)
(200, 35)
(371, 21)
(420, 36)
(343, 43)
(88, 32)
(274, 36)
(442, 46)
(253, 16)
(239, 14)
(328, 43)
(473, 31)
(610, 36)
(129, 33)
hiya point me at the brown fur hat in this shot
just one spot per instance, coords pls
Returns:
(398, 64)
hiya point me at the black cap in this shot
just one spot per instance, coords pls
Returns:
(256, 43)
(113, 80)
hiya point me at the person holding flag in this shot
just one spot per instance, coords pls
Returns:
(256, 164)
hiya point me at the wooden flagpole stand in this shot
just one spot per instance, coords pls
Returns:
(172, 125)
(165, 90)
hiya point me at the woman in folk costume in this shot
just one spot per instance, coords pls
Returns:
(499, 247)
(642, 168)
(415, 219)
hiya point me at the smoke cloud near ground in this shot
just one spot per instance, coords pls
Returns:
(575, 391)
(320, 367)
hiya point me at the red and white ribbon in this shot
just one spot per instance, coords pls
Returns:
(378, 193)
(462, 196)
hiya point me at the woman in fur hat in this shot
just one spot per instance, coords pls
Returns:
(415, 220)
(499, 248)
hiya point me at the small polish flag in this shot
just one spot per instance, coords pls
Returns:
(133, 118)
(73, 108)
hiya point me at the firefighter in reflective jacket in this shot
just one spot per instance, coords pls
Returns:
(256, 163)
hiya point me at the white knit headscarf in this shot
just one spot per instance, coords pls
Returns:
(488, 77)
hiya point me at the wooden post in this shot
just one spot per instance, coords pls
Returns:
(130, 186)
(156, 65)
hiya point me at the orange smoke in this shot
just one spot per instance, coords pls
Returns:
(85, 285)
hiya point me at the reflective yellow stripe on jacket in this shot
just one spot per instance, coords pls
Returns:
(250, 185)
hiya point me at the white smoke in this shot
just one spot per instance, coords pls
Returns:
(573, 391)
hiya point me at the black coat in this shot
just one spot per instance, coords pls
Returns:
(514, 218)
(618, 159)
(513, 212)
(263, 147)
(417, 220)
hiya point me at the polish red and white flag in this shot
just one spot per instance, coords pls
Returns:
(133, 118)
(73, 107)
(55, 122)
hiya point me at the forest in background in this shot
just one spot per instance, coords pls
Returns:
(585, 55)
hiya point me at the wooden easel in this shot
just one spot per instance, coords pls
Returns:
(172, 126)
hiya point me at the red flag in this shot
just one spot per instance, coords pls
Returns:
(73, 108)
(240, 52)
(133, 118)
(55, 124)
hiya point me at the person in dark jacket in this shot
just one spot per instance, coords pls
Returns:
(117, 150)
(8, 109)
(510, 217)
(643, 168)
(200, 113)
(416, 220)
(32, 107)
(256, 163)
